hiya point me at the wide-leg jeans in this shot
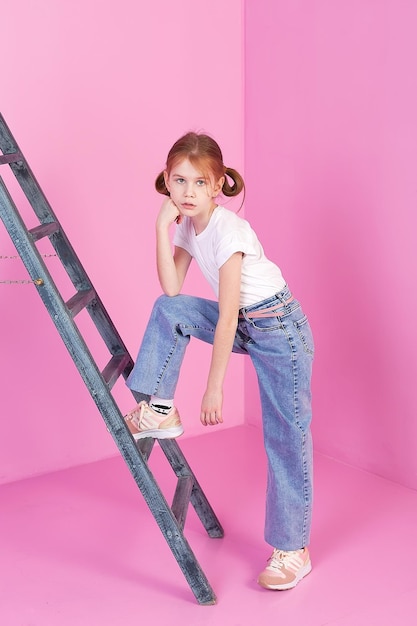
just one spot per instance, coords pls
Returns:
(281, 348)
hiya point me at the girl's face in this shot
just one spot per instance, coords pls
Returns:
(193, 192)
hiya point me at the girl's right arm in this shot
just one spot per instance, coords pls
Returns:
(172, 269)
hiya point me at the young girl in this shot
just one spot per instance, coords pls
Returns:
(255, 314)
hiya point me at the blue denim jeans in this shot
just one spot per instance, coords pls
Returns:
(281, 349)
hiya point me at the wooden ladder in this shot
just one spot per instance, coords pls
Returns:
(171, 519)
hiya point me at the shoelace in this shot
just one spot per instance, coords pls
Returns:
(136, 416)
(280, 559)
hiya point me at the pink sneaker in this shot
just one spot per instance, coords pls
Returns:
(143, 421)
(285, 569)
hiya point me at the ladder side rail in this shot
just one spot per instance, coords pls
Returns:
(24, 175)
(33, 191)
(98, 390)
(7, 142)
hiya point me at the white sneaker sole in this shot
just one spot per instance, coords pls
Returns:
(160, 433)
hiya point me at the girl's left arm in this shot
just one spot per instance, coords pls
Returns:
(229, 298)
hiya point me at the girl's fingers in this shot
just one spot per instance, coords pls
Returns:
(211, 419)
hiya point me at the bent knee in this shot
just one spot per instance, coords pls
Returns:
(164, 302)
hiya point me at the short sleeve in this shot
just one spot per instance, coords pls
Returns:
(180, 237)
(229, 244)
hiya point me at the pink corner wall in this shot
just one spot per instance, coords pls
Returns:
(331, 153)
(96, 93)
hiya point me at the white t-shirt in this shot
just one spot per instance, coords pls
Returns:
(225, 234)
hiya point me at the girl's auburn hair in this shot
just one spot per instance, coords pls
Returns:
(204, 153)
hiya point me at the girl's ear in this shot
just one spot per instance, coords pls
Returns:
(166, 180)
(218, 187)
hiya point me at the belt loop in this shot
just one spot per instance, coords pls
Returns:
(280, 296)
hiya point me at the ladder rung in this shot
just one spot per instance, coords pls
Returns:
(44, 230)
(80, 300)
(13, 157)
(114, 368)
(181, 499)
(145, 447)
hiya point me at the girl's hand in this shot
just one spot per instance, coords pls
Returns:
(211, 408)
(168, 214)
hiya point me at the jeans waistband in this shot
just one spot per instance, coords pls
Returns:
(270, 307)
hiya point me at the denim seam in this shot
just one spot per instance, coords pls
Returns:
(305, 488)
(166, 363)
(303, 435)
(196, 327)
(299, 328)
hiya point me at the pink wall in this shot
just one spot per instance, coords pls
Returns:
(95, 93)
(331, 147)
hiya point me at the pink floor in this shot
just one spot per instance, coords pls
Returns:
(79, 547)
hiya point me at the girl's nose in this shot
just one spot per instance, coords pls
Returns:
(189, 190)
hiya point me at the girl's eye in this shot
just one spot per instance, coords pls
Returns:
(201, 182)
(179, 180)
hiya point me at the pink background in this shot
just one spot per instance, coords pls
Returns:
(96, 93)
(315, 102)
(331, 147)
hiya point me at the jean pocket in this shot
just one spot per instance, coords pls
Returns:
(303, 329)
(265, 324)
